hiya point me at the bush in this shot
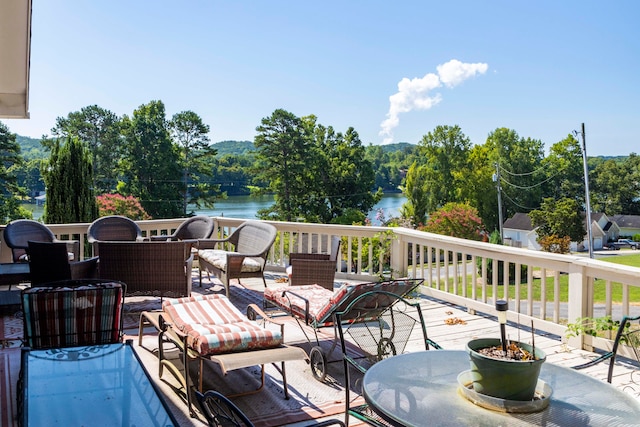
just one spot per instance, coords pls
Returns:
(117, 204)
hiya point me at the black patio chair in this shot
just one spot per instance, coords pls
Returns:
(49, 262)
(194, 228)
(379, 324)
(113, 228)
(19, 232)
(629, 335)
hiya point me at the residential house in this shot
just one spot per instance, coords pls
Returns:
(628, 225)
(519, 232)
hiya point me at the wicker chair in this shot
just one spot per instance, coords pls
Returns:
(113, 228)
(247, 257)
(49, 261)
(314, 268)
(18, 233)
(194, 228)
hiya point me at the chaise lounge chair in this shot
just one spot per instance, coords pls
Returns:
(317, 307)
(211, 328)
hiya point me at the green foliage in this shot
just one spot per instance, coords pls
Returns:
(117, 204)
(100, 130)
(456, 220)
(151, 163)
(442, 158)
(68, 176)
(519, 160)
(636, 237)
(10, 191)
(591, 326)
(315, 174)
(615, 185)
(191, 135)
(558, 218)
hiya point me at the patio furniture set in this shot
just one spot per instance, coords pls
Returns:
(372, 323)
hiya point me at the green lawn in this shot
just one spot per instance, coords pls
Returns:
(632, 259)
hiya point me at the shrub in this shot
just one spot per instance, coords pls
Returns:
(117, 204)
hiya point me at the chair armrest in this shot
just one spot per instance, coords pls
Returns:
(254, 312)
(85, 269)
(210, 243)
(307, 315)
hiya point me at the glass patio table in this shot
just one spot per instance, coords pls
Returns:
(421, 388)
(103, 385)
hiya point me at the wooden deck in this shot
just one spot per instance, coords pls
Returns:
(452, 327)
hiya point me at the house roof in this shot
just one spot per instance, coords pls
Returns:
(519, 221)
(627, 221)
(15, 54)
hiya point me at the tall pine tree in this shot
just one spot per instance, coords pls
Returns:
(68, 176)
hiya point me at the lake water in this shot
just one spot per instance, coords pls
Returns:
(248, 206)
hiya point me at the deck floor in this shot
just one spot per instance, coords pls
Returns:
(452, 327)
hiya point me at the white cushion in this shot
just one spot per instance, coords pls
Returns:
(218, 259)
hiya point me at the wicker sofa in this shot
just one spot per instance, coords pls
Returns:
(148, 268)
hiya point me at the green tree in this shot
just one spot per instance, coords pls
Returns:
(561, 218)
(564, 169)
(521, 175)
(615, 186)
(443, 160)
(10, 193)
(151, 165)
(100, 129)
(479, 188)
(190, 133)
(344, 178)
(68, 176)
(282, 149)
(315, 173)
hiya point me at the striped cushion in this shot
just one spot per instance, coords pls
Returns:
(215, 326)
(323, 303)
(72, 316)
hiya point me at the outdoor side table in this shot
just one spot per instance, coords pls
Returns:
(103, 385)
(421, 388)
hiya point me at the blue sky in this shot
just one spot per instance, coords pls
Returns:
(541, 68)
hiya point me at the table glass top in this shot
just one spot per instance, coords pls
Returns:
(90, 386)
(421, 388)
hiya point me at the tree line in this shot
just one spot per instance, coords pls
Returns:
(316, 174)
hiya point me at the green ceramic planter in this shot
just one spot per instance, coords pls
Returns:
(504, 379)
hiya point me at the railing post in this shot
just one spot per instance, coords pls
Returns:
(578, 299)
(398, 255)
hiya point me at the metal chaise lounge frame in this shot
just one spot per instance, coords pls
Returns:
(316, 307)
(192, 343)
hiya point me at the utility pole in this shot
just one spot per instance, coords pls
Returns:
(586, 189)
(496, 179)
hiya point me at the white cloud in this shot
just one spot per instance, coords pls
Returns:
(415, 94)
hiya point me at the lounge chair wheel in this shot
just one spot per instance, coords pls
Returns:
(318, 363)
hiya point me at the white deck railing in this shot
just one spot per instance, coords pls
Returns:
(451, 267)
